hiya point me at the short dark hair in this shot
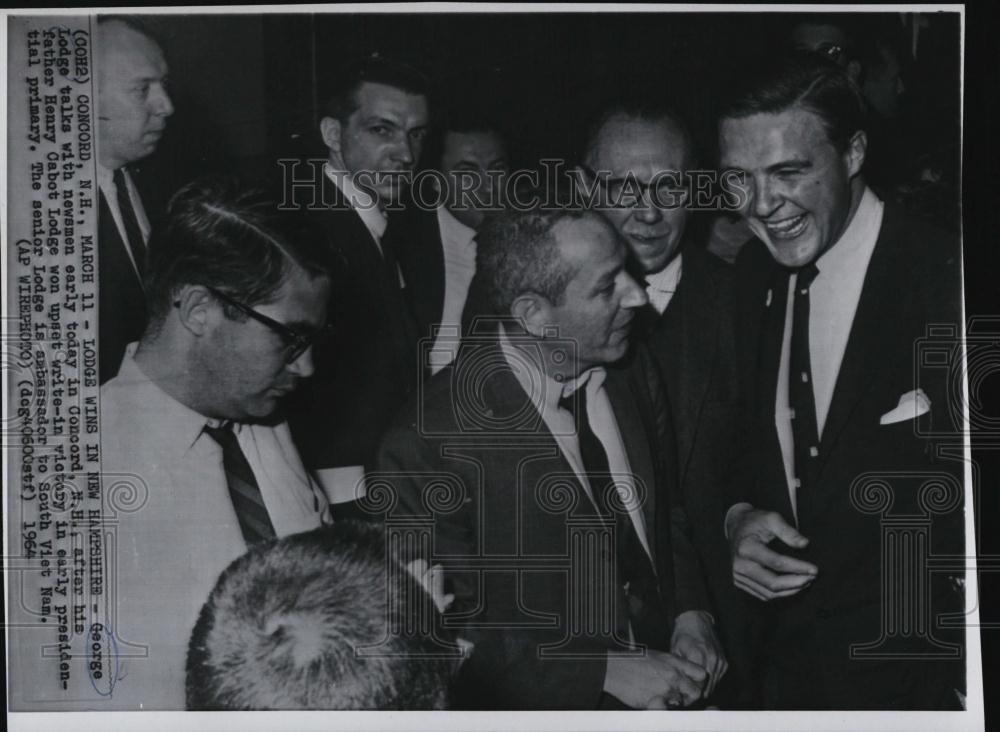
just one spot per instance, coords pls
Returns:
(516, 252)
(805, 80)
(341, 98)
(645, 110)
(319, 620)
(220, 232)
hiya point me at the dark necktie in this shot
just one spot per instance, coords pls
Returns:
(243, 489)
(801, 398)
(133, 234)
(635, 571)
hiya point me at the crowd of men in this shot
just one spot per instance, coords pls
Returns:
(553, 456)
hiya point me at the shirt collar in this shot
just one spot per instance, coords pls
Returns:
(857, 241)
(667, 278)
(530, 375)
(452, 228)
(361, 201)
(180, 426)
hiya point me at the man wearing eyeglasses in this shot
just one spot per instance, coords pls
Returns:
(635, 163)
(191, 426)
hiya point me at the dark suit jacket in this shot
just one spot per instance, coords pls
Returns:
(693, 345)
(481, 464)
(368, 368)
(421, 257)
(121, 299)
(912, 282)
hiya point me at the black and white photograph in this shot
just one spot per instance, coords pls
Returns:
(565, 361)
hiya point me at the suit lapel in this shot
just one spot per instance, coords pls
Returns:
(636, 440)
(769, 362)
(417, 240)
(879, 303)
(509, 407)
(691, 322)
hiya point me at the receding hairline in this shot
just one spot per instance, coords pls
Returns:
(666, 121)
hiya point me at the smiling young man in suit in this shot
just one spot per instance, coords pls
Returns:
(546, 471)
(832, 300)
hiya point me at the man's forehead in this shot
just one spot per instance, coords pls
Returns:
(759, 140)
(387, 101)
(589, 243)
(121, 45)
(628, 145)
(483, 146)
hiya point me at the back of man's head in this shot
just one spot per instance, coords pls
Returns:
(636, 109)
(804, 80)
(224, 234)
(516, 253)
(322, 620)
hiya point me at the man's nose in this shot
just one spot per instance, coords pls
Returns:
(160, 101)
(635, 295)
(303, 366)
(764, 199)
(404, 151)
(646, 211)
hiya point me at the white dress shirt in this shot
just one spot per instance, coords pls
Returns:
(833, 300)
(174, 528)
(661, 286)
(459, 244)
(106, 182)
(545, 393)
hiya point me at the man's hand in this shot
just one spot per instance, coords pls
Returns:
(760, 571)
(694, 639)
(656, 680)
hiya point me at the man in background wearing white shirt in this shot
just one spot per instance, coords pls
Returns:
(132, 107)
(191, 427)
(469, 154)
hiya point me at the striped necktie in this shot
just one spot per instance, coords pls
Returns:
(133, 233)
(243, 489)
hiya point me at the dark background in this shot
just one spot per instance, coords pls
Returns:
(246, 89)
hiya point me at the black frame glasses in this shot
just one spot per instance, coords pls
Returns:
(295, 343)
(664, 191)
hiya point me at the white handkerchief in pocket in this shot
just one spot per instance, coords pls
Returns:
(911, 405)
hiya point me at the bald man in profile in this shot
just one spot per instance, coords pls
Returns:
(133, 105)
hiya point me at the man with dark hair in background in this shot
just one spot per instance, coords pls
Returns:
(191, 429)
(531, 436)
(469, 151)
(832, 299)
(321, 620)
(132, 106)
(637, 156)
(374, 125)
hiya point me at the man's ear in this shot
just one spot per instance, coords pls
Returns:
(329, 129)
(531, 310)
(195, 308)
(854, 155)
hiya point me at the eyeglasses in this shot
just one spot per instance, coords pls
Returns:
(295, 343)
(664, 191)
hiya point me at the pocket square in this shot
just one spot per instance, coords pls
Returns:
(911, 405)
